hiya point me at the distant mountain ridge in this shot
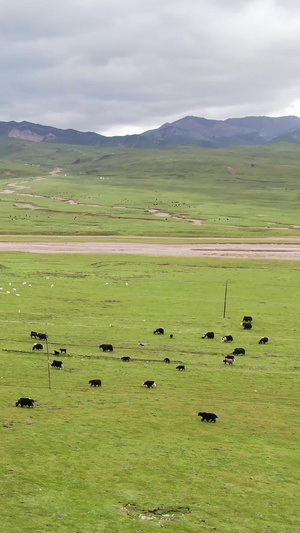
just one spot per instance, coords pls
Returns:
(218, 133)
(185, 131)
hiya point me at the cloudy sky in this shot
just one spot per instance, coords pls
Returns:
(126, 66)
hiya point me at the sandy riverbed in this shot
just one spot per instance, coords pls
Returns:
(273, 251)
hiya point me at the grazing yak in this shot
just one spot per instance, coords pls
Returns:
(33, 334)
(246, 325)
(228, 361)
(42, 336)
(239, 351)
(180, 367)
(25, 401)
(126, 359)
(167, 360)
(209, 417)
(106, 347)
(95, 382)
(208, 335)
(263, 340)
(150, 384)
(227, 338)
(57, 364)
(247, 319)
(56, 352)
(38, 346)
(171, 335)
(159, 331)
(63, 350)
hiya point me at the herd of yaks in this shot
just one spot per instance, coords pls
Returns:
(246, 324)
(229, 359)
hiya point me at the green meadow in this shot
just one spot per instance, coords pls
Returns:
(190, 192)
(124, 458)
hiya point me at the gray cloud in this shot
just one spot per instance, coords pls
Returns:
(115, 66)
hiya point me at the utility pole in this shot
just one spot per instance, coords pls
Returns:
(49, 372)
(225, 300)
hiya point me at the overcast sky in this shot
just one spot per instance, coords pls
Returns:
(126, 66)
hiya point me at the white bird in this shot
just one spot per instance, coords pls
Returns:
(52, 286)
(106, 283)
(24, 283)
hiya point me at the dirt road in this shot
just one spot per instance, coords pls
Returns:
(225, 250)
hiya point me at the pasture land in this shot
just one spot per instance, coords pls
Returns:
(188, 192)
(127, 459)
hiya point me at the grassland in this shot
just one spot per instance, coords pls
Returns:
(189, 192)
(127, 459)
(124, 458)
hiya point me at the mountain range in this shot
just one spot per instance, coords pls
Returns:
(185, 131)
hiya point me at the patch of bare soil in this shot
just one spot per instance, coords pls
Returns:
(56, 171)
(16, 186)
(272, 251)
(158, 213)
(231, 170)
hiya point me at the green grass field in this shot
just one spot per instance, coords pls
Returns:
(123, 458)
(188, 192)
